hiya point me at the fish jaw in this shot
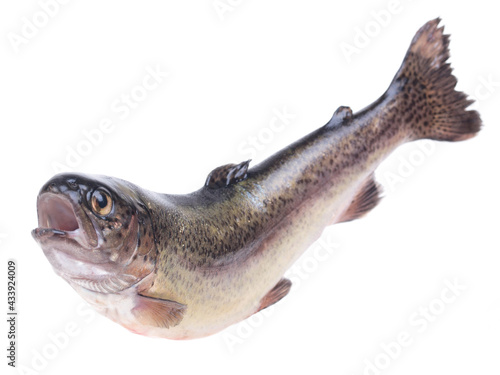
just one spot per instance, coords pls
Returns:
(60, 215)
(63, 251)
(73, 239)
(64, 231)
(63, 222)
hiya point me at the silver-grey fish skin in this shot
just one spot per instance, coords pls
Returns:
(221, 250)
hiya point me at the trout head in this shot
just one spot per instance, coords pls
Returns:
(95, 231)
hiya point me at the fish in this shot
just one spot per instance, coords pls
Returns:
(188, 266)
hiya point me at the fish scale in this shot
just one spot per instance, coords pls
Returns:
(187, 266)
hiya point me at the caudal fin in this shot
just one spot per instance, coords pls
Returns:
(431, 106)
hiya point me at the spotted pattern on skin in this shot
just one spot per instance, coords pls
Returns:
(212, 236)
(220, 250)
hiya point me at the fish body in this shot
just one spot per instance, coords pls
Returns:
(187, 266)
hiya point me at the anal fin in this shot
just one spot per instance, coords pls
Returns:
(274, 295)
(365, 200)
(158, 312)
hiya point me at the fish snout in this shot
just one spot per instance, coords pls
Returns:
(69, 184)
(61, 207)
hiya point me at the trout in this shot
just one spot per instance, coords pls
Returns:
(188, 266)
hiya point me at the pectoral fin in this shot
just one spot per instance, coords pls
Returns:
(274, 295)
(158, 312)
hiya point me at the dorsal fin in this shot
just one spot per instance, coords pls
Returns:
(227, 174)
(341, 115)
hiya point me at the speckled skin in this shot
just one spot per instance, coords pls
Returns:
(221, 249)
(224, 249)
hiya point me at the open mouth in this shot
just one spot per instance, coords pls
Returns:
(55, 212)
(58, 217)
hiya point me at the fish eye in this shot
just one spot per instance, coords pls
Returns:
(101, 202)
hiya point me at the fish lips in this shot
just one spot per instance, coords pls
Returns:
(61, 218)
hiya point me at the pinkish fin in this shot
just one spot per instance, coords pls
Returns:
(431, 106)
(366, 199)
(274, 295)
(158, 312)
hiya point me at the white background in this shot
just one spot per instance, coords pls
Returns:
(229, 72)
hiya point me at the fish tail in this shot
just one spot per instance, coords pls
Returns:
(428, 101)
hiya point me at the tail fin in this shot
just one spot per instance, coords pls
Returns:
(431, 105)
